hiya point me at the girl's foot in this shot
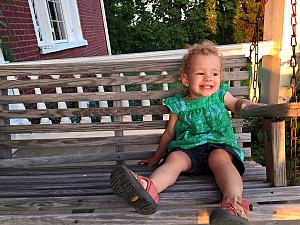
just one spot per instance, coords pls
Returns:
(230, 212)
(128, 186)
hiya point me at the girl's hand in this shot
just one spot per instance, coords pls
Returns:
(251, 104)
(151, 161)
(243, 103)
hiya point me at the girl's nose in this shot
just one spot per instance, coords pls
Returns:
(207, 77)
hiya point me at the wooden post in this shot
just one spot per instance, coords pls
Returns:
(118, 133)
(275, 151)
(275, 84)
(4, 153)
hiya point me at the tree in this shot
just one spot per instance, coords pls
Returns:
(211, 15)
(120, 15)
(149, 25)
(7, 53)
(245, 20)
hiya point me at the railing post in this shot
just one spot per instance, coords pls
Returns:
(61, 105)
(4, 153)
(17, 106)
(40, 105)
(118, 133)
(145, 102)
(237, 129)
(103, 104)
(82, 104)
(165, 88)
(125, 103)
(274, 130)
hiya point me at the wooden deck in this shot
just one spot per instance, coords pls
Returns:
(82, 195)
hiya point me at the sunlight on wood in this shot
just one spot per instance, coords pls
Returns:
(203, 217)
(286, 214)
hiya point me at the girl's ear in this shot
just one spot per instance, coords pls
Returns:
(184, 79)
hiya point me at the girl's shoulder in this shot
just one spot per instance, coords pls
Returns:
(175, 103)
(222, 91)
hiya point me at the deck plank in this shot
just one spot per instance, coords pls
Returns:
(81, 194)
(274, 214)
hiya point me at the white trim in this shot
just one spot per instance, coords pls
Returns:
(36, 28)
(63, 46)
(42, 27)
(2, 60)
(105, 27)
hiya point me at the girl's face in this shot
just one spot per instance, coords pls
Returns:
(204, 77)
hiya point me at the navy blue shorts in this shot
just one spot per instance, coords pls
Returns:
(199, 157)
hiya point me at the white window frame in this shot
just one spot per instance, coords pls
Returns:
(42, 26)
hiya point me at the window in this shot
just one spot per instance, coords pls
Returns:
(57, 24)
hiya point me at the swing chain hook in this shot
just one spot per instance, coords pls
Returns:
(254, 47)
(293, 61)
(293, 86)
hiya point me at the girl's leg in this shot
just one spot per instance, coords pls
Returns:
(166, 175)
(142, 192)
(227, 176)
(233, 210)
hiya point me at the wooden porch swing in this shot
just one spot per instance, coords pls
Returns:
(57, 171)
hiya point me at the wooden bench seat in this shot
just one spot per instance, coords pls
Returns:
(65, 124)
(70, 194)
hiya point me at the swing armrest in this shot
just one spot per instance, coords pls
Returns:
(272, 111)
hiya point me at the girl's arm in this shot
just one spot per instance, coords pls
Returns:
(235, 105)
(166, 137)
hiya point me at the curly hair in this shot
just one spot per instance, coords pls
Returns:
(204, 47)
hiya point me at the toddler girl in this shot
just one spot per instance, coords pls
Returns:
(198, 139)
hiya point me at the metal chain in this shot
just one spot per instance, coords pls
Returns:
(254, 47)
(293, 85)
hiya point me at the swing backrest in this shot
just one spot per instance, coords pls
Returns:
(103, 109)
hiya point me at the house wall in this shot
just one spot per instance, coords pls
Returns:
(23, 41)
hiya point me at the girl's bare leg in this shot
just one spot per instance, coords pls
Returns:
(227, 176)
(166, 175)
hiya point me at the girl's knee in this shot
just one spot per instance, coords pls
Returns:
(218, 156)
(180, 160)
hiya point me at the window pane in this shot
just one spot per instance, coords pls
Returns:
(62, 31)
(56, 20)
(51, 10)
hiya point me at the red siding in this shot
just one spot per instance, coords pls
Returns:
(22, 38)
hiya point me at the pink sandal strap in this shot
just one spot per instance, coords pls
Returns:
(150, 188)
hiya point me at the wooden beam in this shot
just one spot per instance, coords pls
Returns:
(272, 111)
(274, 130)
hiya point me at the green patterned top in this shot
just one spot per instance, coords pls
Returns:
(201, 121)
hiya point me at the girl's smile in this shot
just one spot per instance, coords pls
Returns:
(204, 76)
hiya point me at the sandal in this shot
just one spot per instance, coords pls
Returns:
(230, 212)
(126, 185)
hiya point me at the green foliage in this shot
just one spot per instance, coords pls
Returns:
(225, 14)
(211, 15)
(150, 25)
(244, 21)
(7, 52)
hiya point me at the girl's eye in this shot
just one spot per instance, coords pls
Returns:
(201, 74)
(215, 74)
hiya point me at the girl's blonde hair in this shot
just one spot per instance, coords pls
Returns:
(204, 47)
